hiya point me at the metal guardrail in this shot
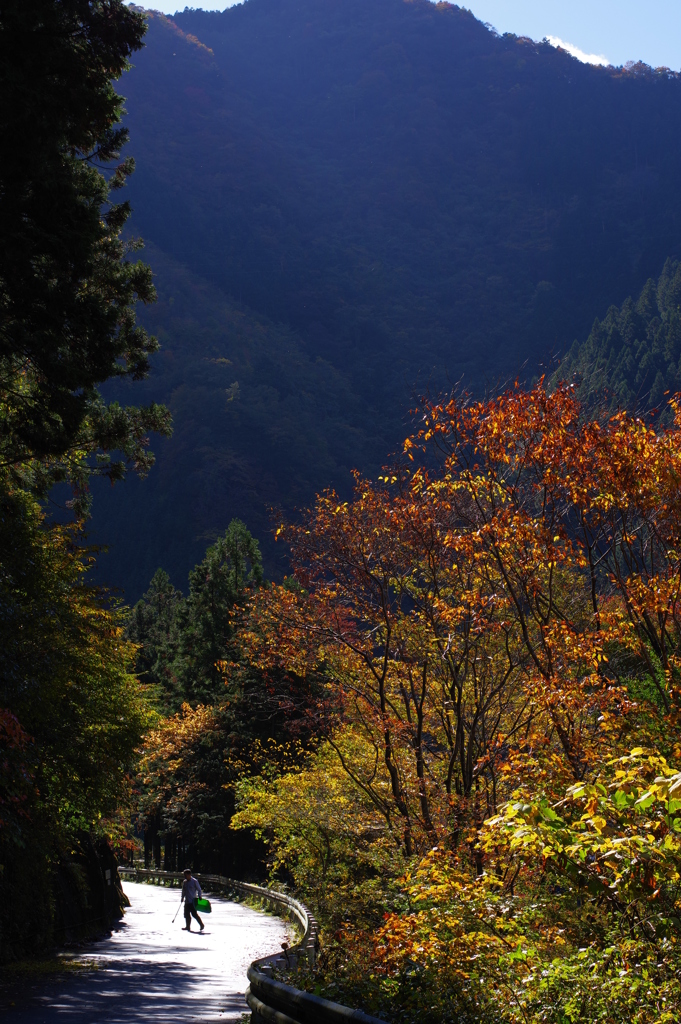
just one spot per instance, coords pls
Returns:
(270, 1000)
(309, 944)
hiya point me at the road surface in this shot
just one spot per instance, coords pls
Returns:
(151, 972)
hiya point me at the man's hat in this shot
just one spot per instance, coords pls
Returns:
(187, 871)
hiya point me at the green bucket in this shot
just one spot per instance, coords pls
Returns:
(203, 905)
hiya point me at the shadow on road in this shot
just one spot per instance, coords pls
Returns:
(130, 991)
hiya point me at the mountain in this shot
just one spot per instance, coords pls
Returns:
(258, 424)
(353, 201)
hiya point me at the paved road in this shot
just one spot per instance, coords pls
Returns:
(152, 972)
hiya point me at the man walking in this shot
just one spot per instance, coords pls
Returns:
(191, 890)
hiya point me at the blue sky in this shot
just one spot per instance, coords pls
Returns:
(613, 31)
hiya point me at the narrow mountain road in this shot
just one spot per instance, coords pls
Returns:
(151, 972)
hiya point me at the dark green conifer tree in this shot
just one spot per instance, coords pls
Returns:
(68, 282)
(218, 586)
(154, 624)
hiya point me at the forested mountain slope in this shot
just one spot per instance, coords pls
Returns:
(415, 199)
(632, 357)
(258, 423)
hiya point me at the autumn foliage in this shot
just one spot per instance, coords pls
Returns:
(497, 621)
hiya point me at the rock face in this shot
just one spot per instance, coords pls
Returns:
(80, 899)
(88, 897)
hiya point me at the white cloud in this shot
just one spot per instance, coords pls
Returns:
(586, 58)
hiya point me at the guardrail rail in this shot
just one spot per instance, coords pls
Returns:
(272, 1001)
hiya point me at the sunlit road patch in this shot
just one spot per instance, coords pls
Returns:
(150, 970)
